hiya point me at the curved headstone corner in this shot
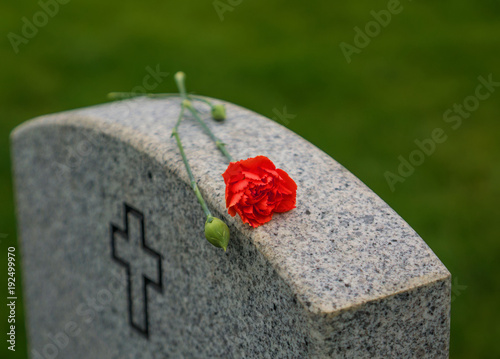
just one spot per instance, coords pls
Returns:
(106, 214)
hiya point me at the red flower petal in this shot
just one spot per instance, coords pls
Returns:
(255, 189)
(285, 205)
(287, 181)
(259, 162)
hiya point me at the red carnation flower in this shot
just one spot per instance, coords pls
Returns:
(255, 189)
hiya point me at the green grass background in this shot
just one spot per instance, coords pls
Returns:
(266, 55)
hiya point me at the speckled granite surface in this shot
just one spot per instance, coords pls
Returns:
(340, 276)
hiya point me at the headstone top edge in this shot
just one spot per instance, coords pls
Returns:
(422, 283)
(263, 237)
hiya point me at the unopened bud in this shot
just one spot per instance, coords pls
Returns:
(219, 112)
(179, 76)
(217, 232)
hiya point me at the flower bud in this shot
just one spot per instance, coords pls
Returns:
(217, 232)
(187, 103)
(179, 76)
(219, 112)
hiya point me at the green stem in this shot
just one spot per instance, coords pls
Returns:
(179, 79)
(220, 145)
(194, 186)
(129, 95)
(200, 98)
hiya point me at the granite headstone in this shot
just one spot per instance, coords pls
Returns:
(116, 265)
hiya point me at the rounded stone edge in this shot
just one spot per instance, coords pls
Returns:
(139, 141)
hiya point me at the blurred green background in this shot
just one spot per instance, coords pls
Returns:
(267, 55)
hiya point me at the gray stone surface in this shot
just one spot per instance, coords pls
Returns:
(342, 275)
